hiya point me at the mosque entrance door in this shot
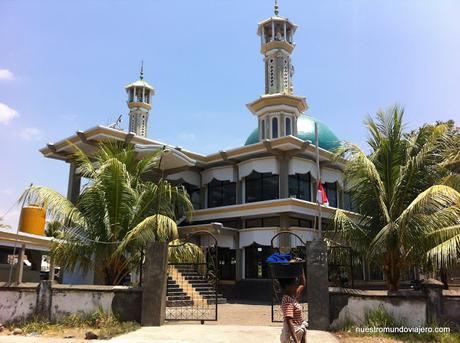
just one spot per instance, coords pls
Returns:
(227, 264)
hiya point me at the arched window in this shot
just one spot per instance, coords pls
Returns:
(288, 126)
(261, 186)
(274, 127)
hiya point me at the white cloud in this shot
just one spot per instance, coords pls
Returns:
(31, 134)
(7, 113)
(5, 74)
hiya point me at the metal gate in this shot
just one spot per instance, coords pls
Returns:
(340, 266)
(192, 292)
(277, 294)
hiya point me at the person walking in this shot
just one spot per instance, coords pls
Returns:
(294, 326)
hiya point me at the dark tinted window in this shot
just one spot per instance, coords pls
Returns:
(221, 193)
(331, 192)
(300, 186)
(261, 186)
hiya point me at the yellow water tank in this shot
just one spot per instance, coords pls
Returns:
(33, 220)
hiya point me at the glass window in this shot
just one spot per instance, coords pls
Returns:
(331, 193)
(275, 127)
(221, 193)
(299, 222)
(271, 222)
(194, 194)
(261, 186)
(256, 222)
(288, 126)
(300, 186)
(263, 222)
(263, 129)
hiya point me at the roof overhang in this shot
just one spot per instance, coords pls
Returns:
(279, 99)
(88, 141)
(268, 207)
(9, 238)
(275, 18)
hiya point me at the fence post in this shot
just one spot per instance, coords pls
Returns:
(44, 299)
(433, 290)
(317, 286)
(154, 285)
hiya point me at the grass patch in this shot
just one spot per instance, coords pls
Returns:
(380, 318)
(104, 325)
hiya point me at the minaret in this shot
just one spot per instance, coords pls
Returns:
(278, 109)
(139, 102)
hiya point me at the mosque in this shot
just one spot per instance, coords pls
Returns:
(248, 194)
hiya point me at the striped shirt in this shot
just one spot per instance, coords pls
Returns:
(292, 309)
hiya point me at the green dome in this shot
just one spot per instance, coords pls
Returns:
(306, 131)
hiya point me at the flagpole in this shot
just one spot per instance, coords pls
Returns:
(318, 180)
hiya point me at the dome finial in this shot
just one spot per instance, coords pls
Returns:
(276, 8)
(142, 70)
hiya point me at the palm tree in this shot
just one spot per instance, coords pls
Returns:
(405, 220)
(117, 213)
(54, 229)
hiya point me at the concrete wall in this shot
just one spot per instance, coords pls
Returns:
(451, 306)
(22, 301)
(415, 308)
(17, 303)
(68, 299)
(353, 305)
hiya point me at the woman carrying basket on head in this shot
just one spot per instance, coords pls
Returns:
(294, 326)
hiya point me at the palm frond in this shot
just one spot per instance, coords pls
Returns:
(185, 252)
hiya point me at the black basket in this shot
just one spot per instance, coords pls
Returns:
(286, 270)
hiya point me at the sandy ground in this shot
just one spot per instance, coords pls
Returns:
(196, 333)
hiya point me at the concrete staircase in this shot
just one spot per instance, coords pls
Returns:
(186, 287)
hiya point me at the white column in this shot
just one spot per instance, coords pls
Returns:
(20, 264)
(143, 94)
(273, 30)
(285, 37)
(263, 35)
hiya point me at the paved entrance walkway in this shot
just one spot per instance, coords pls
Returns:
(196, 333)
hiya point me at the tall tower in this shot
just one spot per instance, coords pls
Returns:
(139, 102)
(278, 109)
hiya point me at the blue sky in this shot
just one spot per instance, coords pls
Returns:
(63, 66)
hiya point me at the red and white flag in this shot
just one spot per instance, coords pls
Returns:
(321, 197)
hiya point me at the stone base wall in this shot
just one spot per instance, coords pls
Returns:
(352, 305)
(18, 302)
(414, 308)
